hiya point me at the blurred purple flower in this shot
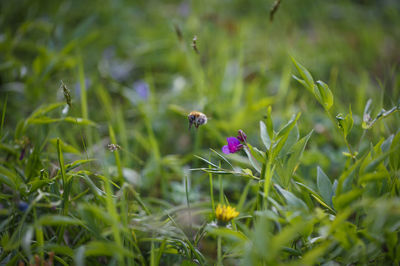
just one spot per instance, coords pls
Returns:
(241, 136)
(88, 82)
(22, 206)
(184, 8)
(233, 146)
(142, 89)
(111, 65)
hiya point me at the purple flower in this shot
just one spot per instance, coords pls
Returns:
(22, 206)
(142, 89)
(233, 145)
(241, 136)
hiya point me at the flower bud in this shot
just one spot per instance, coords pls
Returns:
(241, 136)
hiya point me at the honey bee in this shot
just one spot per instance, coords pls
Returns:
(197, 118)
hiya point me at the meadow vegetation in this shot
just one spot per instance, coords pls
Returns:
(299, 163)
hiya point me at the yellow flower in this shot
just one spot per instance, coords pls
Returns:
(225, 213)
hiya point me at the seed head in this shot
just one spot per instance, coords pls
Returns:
(113, 147)
(67, 94)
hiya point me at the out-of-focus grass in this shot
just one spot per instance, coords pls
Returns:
(134, 76)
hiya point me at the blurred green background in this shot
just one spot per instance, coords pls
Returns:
(130, 66)
(242, 67)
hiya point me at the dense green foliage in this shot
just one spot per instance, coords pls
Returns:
(97, 165)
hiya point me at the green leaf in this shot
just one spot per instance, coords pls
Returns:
(57, 220)
(188, 263)
(77, 163)
(316, 196)
(292, 138)
(42, 110)
(65, 147)
(7, 177)
(394, 157)
(324, 186)
(295, 156)
(284, 237)
(258, 155)
(269, 124)
(79, 121)
(283, 135)
(99, 248)
(302, 82)
(43, 120)
(312, 256)
(228, 233)
(323, 94)
(253, 161)
(291, 200)
(264, 135)
(285, 130)
(345, 123)
(308, 79)
(345, 199)
(365, 178)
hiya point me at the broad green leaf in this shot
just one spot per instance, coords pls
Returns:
(283, 135)
(264, 135)
(376, 162)
(296, 154)
(324, 94)
(253, 161)
(374, 176)
(387, 143)
(289, 126)
(302, 82)
(36, 184)
(324, 186)
(305, 75)
(292, 138)
(257, 154)
(343, 200)
(316, 196)
(228, 233)
(269, 124)
(291, 200)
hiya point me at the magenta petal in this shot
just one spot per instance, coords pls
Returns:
(233, 144)
(225, 149)
(232, 141)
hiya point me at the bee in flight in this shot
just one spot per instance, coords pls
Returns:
(197, 118)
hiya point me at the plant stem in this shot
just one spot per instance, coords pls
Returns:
(267, 182)
(219, 251)
(344, 137)
(211, 190)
